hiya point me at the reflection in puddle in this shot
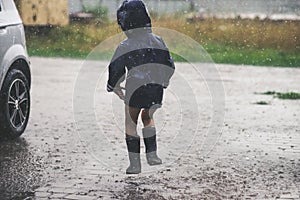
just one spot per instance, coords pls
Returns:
(20, 170)
(135, 189)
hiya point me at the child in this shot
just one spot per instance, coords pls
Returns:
(149, 69)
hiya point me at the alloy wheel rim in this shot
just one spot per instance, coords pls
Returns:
(18, 103)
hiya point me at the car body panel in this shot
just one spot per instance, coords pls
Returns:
(14, 53)
(12, 38)
(9, 14)
(14, 70)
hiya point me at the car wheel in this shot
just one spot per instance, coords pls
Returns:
(14, 105)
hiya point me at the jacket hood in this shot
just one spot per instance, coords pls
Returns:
(133, 14)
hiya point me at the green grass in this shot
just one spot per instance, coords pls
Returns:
(269, 93)
(222, 53)
(246, 42)
(229, 56)
(287, 95)
(262, 103)
(57, 52)
(219, 54)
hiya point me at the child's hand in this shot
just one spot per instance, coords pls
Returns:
(118, 91)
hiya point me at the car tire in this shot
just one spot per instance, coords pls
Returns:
(14, 105)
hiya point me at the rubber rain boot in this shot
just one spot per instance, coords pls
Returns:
(149, 135)
(133, 147)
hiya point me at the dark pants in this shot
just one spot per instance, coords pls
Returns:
(146, 96)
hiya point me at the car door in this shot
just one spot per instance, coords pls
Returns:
(3, 32)
(3, 39)
(9, 19)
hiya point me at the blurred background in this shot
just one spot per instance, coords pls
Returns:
(250, 32)
(227, 8)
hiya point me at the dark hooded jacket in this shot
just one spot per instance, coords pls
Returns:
(143, 54)
(146, 58)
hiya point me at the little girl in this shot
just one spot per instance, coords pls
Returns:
(149, 68)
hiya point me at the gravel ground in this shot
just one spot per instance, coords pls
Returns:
(64, 155)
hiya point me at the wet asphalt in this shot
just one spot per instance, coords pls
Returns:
(254, 159)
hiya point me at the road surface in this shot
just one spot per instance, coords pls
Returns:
(256, 155)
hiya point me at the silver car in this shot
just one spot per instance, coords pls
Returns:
(15, 75)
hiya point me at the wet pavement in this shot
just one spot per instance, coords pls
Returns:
(257, 156)
(21, 171)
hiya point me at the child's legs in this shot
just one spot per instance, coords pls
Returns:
(147, 117)
(131, 118)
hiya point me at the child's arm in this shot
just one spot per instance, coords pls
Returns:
(168, 72)
(116, 71)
